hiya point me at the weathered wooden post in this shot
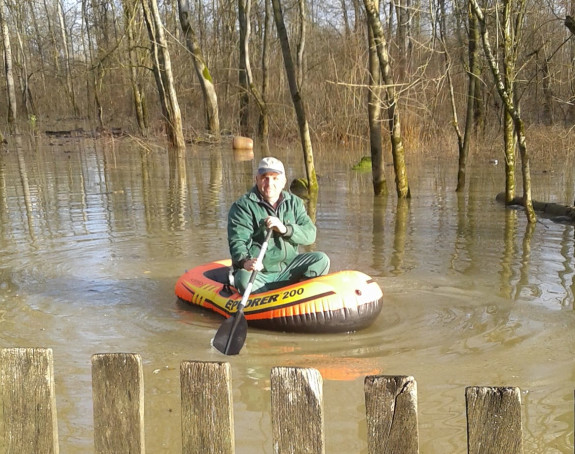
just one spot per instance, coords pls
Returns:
(207, 408)
(391, 411)
(493, 420)
(28, 404)
(297, 410)
(118, 394)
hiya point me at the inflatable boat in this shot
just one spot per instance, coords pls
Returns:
(337, 302)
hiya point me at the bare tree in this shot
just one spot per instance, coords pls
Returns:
(397, 149)
(8, 68)
(403, 36)
(263, 123)
(21, 64)
(137, 91)
(374, 114)
(96, 72)
(245, 74)
(570, 24)
(511, 37)
(300, 48)
(510, 108)
(204, 76)
(463, 139)
(67, 59)
(297, 99)
(162, 67)
(244, 7)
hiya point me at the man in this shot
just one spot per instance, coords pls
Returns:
(268, 206)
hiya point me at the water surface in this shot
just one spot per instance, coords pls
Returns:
(93, 236)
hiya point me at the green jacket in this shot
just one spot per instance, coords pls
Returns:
(246, 231)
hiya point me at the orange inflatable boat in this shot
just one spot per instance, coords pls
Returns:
(337, 302)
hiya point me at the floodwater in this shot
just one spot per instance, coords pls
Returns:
(94, 234)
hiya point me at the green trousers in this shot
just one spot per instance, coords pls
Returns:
(304, 266)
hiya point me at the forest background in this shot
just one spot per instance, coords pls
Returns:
(96, 60)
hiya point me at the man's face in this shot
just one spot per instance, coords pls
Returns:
(270, 185)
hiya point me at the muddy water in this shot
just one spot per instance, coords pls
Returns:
(93, 236)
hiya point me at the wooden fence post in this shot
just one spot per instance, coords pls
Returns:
(28, 403)
(297, 410)
(391, 411)
(493, 420)
(118, 394)
(207, 408)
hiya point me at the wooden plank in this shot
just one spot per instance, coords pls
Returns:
(28, 403)
(493, 420)
(118, 394)
(391, 413)
(207, 408)
(297, 410)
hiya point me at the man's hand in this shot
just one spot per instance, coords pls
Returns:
(252, 265)
(274, 223)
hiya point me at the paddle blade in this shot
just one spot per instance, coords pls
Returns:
(231, 335)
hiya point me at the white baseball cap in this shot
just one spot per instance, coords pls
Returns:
(270, 165)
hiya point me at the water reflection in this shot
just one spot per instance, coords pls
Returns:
(378, 230)
(399, 236)
(94, 235)
(507, 272)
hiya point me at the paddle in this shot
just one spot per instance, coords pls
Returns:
(231, 335)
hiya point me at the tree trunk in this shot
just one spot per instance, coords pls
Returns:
(8, 69)
(162, 68)
(24, 78)
(297, 99)
(463, 151)
(403, 14)
(548, 111)
(472, 87)
(397, 149)
(300, 60)
(509, 134)
(509, 140)
(66, 49)
(346, 27)
(244, 7)
(41, 50)
(263, 123)
(137, 92)
(374, 114)
(570, 24)
(96, 71)
(55, 47)
(358, 16)
(202, 71)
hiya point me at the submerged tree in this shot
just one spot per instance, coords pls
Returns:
(162, 67)
(391, 98)
(245, 70)
(463, 138)
(570, 24)
(509, 104)
(8, 67)
(511, 37)
(137, 91)
(67, 59)
(374, 114)
(297, 99)
(263, 122)
(204, 76)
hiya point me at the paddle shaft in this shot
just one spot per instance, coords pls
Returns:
(248, 289)
(240, 311)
